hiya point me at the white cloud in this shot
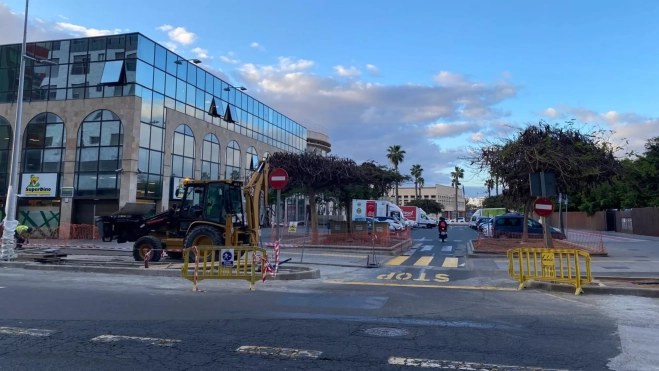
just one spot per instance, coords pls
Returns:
(226, 59)
(170, 45)
(39, 20)
(373, 70)
(363, 118)
(84, 31)
(201, 53)
(347, 71)
(165, 28)
(63, 17)
(256, 45)
(216, 71)
(630, 130)
(443, 130)
(552, 113)
(12, 28)
(178, 34)
(447, 78)
(288, 64)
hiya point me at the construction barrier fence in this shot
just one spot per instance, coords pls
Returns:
(360, 236)
(248, 263)
(570, 266)
(592, 243)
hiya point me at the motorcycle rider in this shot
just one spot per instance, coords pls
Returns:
(442, 225)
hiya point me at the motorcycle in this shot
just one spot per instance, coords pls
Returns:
(443, 234)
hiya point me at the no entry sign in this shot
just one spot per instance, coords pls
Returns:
(278, 178)
(543, 206)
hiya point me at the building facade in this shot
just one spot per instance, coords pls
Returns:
(444, 195)
(121, 119)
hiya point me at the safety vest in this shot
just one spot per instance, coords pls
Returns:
(21, 229)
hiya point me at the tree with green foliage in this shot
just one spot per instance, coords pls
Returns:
(580, 161)
(456, 175)
(489, 184)
(416, 171)
(376, 182)
(429, 206)
(314, 173)
(396, 155)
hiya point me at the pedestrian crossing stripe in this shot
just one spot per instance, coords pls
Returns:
(424, 261)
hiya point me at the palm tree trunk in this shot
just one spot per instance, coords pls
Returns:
(396, 201)
(456, 203)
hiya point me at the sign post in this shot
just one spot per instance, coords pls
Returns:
(278, 179)
(544, 207)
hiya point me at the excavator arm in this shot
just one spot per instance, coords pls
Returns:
(253, 190)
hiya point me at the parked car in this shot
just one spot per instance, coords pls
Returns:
(512, 225)
(481, 220)
(392, 222)
(392, 227)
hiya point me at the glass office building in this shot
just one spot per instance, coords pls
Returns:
(116, 119)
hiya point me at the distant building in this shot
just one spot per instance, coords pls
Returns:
(444, 195)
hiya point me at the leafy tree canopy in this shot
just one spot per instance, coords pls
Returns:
(429, 206)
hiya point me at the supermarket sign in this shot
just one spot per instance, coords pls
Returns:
(39, 185)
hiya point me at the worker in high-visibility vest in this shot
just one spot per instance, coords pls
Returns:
(22, 235)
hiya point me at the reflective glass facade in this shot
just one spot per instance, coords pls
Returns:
(133, 65)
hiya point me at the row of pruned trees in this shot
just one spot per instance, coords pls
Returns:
(335, 178)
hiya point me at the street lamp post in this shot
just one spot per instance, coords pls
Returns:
(7, 251)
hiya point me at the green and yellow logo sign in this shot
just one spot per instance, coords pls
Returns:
(34, 188)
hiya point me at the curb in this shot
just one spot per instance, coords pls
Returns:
(598, 290)
(488, 254)
(290, 274)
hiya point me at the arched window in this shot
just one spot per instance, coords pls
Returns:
(44, 145)
(210, 158)
(5, 155)
(183, 153)
(251, 162)
(232, 170)
(99, 154)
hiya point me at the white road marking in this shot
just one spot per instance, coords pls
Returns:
(447, 248)
(25, 331)
(416, 246)
(152, 341)
(280, 352)
(455, 365)
(426, 248)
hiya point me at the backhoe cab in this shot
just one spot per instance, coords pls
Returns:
(210, 212)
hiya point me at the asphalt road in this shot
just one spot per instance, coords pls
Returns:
(66, 321)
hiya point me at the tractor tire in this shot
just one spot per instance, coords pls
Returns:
(142, 247)
(204, 235)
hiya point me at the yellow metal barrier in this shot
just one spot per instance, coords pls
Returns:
(553, 265)
(217, 263)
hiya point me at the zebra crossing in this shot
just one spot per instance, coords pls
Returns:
(428, 255)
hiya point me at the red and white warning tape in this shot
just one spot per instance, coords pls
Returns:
(272, 244)
(195, 251)
(276, 257)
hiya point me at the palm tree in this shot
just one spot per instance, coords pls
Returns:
(396, 155)
(416, 172)
(457, 175)
(496, 184)
(421, 182)
(489, 184)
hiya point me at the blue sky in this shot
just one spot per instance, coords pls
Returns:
(504, 63)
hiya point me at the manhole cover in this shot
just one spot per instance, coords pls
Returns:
(386, 331)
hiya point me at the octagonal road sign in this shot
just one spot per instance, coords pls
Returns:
(278, 178)
(543, 206)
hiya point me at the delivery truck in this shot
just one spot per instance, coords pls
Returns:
(375, 208)
(418, 216)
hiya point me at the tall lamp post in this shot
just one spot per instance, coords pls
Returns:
(7, 251)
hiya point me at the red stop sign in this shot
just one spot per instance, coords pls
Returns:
(543, 206)
(278, 178)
